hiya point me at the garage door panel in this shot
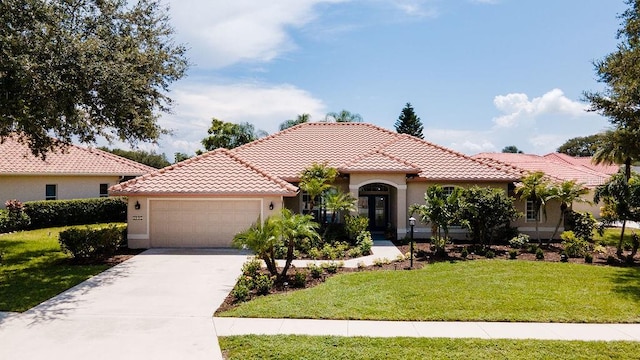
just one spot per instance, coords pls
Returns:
(200, 223)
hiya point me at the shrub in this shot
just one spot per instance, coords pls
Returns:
(539, 254)
(299, 279)
(75, 212)
(532, 248)
(355, 225)
(490, 254)
(582, 224)
(599, 249)
(14, 218)
(263, 284)
(354, 252)
(364, 242)
(438, 245)
(573, 245)
(519, 241)
(361, 265)
(588, 258)
(329, 252)
(332, 267)
(611, 260)
(464, 253)
(92, 243)
(315, 270)
(314, 253)
(378, 262)
(251, 267)
(240, 292)
(629, 260)
(513, 254)
(400, 257)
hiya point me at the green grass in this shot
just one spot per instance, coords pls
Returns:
(34, 269)
(611, 236)
(317, 347)
(481, 290)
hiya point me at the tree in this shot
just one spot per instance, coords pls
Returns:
(261, 238)
(535, 187)
(620, 100)
(292, 228)
(512, 149)
(230, 135)
(621, 199)
(409, 123)
(580, 146)
(343, 116)
(339, 202)
(152, 159)
(178, 157)
(484, 211)
(315, 180)
(301, 119)
(566, 193)
(440, 210)
(85, 69)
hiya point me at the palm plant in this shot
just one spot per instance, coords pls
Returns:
(618, 146)
(339, 202)
(343, 116)
(535, 187)
(315, 180)
(292, 228)
(300, 119)
(566, 193)
(261, 238)
(439, 210)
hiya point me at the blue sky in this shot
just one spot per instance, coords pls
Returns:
(481, 74)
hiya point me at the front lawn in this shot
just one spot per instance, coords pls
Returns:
(34, 268)
(319, 347)
(479, 290)
(611, 236)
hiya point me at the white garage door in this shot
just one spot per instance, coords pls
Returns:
(200, 223)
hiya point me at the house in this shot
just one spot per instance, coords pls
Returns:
(558, 167)
(70, 173)
(205, 200)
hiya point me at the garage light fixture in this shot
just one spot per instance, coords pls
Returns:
(137, 205)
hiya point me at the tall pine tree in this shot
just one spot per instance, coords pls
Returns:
(409, 122)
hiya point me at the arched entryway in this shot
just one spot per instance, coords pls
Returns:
(373, 203)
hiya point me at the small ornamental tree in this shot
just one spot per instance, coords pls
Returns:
(409, 123)
(484, 211)
(536, 188)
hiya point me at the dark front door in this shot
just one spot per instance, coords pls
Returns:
(376, 208)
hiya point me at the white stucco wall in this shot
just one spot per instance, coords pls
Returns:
(32, 188)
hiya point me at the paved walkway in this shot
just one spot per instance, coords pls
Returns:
(482, 330)
(381, 249)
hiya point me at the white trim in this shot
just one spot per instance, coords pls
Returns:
(540, 228)
(373, 181)
(138, 237)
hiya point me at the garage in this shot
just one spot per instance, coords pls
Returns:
(200, 223)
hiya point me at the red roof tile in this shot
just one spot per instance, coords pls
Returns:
(17, 159)
(217, 172)
(558, 167)
(585, 161)
(377, 161)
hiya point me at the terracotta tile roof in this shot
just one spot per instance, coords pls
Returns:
(17, 159)
(557, 167)
(286, 153)
(218, 172)
(585, 161)
(360, 147)
(442, 164)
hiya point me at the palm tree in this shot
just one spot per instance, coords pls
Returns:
(315, 180)
(339, 202)
(566, 193)
(343, 116)
(620, 147)
(261, 238)
(300, 119)
(439, 209)
(534, 187)
(292, 228)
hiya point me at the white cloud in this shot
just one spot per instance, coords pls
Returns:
(489, 2)
(517, 107)
(464, 141)
(416, 8)
(263, 105)
(222, 33)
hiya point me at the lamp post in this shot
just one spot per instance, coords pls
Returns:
(412, 223)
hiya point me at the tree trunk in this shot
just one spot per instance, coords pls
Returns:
(619, 250)
(288, 261)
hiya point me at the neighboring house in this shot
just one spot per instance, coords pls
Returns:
(558, 167)
(70, 173)
(205, 200)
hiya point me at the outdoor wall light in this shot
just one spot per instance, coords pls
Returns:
(137, 205)
(271, 205)
(412, 223)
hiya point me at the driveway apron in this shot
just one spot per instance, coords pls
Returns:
(157, 305)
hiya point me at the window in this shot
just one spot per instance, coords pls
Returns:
(530, 211)
(448, 190)
(51, 192)
(104, 190)
(319, 214)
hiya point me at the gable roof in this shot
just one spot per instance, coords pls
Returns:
(557, 166)
(217, 172)
(358, 147)
(585, 161)
(17, 159)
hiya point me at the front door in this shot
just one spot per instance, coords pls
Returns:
(376, 208)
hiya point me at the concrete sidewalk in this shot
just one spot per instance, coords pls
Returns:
(381, 249)
(482, 330)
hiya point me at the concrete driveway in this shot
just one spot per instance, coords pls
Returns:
(157, 305)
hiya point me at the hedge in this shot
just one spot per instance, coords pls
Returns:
(89, 244)
(51, 213)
